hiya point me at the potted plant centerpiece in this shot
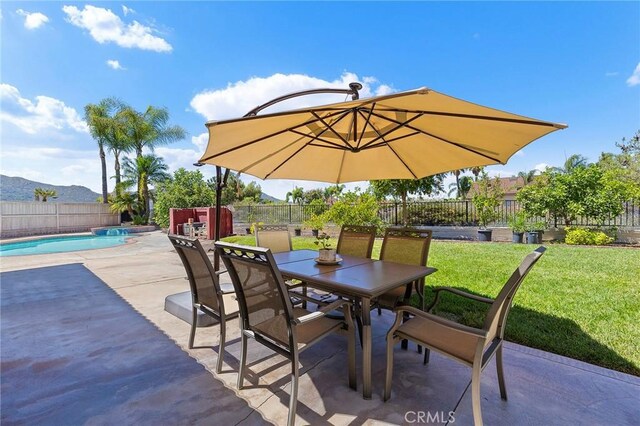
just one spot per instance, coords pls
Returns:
(486, 199)
(517, 223)
(325, 253)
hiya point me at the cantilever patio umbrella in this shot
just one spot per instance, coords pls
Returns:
(407, 135)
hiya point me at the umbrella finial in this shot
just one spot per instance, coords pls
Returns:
(355, 86)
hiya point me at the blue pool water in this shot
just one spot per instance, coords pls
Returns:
(60, 245)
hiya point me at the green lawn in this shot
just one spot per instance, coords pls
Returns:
(581, 302)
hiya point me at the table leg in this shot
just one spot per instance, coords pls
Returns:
(366, 348)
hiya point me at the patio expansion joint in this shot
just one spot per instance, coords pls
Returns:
(573, 363)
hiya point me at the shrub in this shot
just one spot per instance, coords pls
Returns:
(586, 236)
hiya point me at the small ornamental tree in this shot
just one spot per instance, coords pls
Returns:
(185, 189)
(487, 197)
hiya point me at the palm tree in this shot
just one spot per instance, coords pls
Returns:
(476, 172)
(124, 201)
(461, 188)
(145, 170)
(97, 118)
(574, 161)
(296, 195)
(527, 177)
(41, 194)
(149, 129)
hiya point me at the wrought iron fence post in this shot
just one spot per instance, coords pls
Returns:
(290, 213)
(466, 208)
(395, 213)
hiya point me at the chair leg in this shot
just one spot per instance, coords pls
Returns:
(427, 352)
(223, 338)
(503, 388)
(194, 319)
(389, 370)
(475, 395)
(243, 359)
(351, 350)
(304, 293)
(379, 311)
(293, 401)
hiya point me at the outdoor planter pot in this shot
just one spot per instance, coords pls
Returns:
(314, 232)
(484, 234)
(327, 255)
(297, 232)
(518, 237)
(534, 237)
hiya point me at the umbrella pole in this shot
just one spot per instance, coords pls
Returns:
(221, 182)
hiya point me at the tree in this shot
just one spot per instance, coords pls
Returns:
(355, 209)
(487, 198)
(313, 194)
(98, 119)
(401, 188)
(186, 189)
(461, 188)
(527, 177)
(626, 163)
(252, 191)
(574, 161)
(296, 195)
(124, 201)
(149, 129)
(41, 194)
(331, 193)
(146, 170)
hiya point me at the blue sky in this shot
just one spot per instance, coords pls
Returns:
(576, 63)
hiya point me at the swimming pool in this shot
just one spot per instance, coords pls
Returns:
(60, 244)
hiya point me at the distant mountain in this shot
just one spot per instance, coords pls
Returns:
(269, 198)
(20, 189)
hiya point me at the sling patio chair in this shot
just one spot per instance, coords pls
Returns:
(206, 293)
(278, 239)
(355, 240)
(268, 316)
(409, 246)
(471, 346)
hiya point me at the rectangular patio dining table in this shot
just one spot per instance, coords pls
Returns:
(359, 278)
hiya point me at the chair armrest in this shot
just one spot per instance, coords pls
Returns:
(464, 294)
(321, 312)
(442, 321)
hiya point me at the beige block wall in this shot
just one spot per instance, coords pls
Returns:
(35, 218)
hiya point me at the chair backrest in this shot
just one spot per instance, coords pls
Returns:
(497, 316)
(275, 237)
(202, 278)
(355, 240)
(406, 245)
(263, 297)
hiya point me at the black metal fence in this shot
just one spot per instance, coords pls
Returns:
(428, 213)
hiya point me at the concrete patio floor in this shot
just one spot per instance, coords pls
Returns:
(543, 388)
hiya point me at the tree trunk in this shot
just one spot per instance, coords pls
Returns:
(405, 215)
(145, 192)
(103, 165)
(117, 170)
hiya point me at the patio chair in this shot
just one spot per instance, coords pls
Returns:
(278, 239)
(356, 240)
(409, 246)
(470, 346)
(268, 316)
(206, 293)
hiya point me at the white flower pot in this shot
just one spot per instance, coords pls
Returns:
(327, 255)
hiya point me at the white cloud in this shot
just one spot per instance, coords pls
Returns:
(634, 80)
(127, 10)
(44, 113)
(33, 20)
(542, 167)
(239, 98)
(201, 141)
(115, 64)
(105, 26)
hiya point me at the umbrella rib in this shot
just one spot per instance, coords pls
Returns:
(260, 139)
(475, 117)
(330, 126)
(399, 125)
(442, 139)
(317, 138)
(366, 123)
(286, 160)
(402, 161)
(379, 144)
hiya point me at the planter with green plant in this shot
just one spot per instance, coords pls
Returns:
(486, 199)
(315, 223)
(297, 231)
(535, 231)
(325, 252)
(517, 222)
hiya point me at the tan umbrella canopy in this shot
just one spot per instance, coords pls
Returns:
(405, 135)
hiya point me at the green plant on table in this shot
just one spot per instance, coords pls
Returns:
(322, 241)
